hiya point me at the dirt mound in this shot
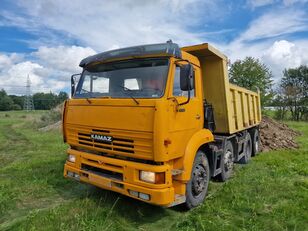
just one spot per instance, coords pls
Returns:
(275, 135)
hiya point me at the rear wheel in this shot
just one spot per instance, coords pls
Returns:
(228, 163)
(247, 149)
(255, 142)
(196, 188)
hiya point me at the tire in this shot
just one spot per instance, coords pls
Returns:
(228, 163)
(247, 149)
(197, 186)
(255, 142)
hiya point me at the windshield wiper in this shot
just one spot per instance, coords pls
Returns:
(130, 95)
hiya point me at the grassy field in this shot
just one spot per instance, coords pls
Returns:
(271, 193)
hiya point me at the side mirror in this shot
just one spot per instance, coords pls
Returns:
(73, 83)
(186, 77)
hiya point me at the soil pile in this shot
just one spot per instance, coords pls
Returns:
(276, 135)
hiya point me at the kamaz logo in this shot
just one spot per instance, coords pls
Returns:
(101, 137)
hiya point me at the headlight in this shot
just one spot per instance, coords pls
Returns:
(71, 158)
(152, 177)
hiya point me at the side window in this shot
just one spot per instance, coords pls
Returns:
(100, 84)
(95, 84)
(177, 87)
(131, 84)
(86, 84)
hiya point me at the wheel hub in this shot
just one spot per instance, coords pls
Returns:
(199, 180)
(228, 160)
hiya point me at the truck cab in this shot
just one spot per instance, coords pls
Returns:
(153, 122)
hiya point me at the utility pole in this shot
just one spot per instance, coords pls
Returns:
(28, 102)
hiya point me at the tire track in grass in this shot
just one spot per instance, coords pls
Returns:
(22, 187)
(13, 142)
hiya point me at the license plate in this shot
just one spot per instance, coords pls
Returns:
(100, 180)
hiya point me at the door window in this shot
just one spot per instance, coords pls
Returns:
(177, 87)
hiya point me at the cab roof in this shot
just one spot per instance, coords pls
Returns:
(168, 49)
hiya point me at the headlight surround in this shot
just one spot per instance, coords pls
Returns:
(71, 158)
(152, 177)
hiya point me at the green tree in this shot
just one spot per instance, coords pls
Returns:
(6, 103)
(251, 73)
(62, 96)
(44, 101)
(18, 101)
(294, 85)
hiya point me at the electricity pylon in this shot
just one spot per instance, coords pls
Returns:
(28, 102)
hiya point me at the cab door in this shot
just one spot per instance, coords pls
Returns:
(184, 120)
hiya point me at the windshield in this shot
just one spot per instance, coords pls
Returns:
(137, 78)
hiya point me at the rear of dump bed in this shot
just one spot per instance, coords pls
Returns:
(235, 108)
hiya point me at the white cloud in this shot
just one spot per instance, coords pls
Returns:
(16, 76)
(6, 60)
(276, 23)
(265, 38)
(258, 3)
(63, 58)
(49, 70)
(106, 24)
(99, 25)
(284, 54)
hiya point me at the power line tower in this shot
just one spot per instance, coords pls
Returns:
(28, 103)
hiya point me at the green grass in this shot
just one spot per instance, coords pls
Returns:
(271, 193)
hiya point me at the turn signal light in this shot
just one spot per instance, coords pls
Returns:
(152, 177)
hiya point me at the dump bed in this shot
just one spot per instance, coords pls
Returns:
(235, 108)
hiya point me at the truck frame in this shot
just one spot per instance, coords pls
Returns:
(160, 144)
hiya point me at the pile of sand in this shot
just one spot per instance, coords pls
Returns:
(276, 135)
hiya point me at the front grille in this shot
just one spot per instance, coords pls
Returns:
(127, 143)
(117, 144)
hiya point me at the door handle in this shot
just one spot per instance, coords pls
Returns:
(198, 116)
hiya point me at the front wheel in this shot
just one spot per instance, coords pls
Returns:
(197, 187)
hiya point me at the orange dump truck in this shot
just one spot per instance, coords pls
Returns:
(157, 122)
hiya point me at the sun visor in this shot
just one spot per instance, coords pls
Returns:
(169, 48)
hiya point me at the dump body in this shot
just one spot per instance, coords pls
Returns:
(235, 108)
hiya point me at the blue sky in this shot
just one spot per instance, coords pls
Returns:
(47, 38)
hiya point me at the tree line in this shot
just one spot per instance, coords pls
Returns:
(289, 98)
(41, 101)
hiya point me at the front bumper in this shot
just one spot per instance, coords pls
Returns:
(126, 176)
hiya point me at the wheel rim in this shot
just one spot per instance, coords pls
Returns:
(228, 161)
(199, 180)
